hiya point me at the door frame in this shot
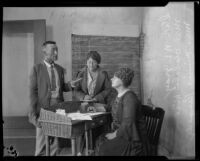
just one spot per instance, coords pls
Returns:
(37, 27)
(17, 128)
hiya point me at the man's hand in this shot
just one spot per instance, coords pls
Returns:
(73, 83)
(37, 123)
(110, 136)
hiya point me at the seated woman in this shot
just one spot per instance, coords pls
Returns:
(95, 84)
(128, 136)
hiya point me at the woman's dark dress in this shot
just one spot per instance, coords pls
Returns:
(131, 138)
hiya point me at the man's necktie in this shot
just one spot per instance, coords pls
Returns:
(53, 79)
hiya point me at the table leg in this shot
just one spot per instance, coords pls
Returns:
(86, 140)
(90, 139)
(73, 142)
(47, 145)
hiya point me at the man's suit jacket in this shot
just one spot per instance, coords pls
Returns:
(102, 89)
(40, 90)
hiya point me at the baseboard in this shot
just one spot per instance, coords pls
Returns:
(18, 122)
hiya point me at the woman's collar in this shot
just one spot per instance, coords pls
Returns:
(122, 93)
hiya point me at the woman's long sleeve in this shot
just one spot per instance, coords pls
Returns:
(129, 104)
(100, 97)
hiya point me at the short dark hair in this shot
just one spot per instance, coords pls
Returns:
(126, 75)
(48, 42)
(95, 56)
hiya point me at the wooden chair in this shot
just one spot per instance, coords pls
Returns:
(154, 120)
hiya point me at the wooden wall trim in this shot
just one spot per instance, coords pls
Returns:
(17, 122)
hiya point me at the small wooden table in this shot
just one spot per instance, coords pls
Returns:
(78, 128)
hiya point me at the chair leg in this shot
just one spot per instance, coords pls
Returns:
(86, 139)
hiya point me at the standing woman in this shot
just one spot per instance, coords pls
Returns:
(95, 85)
(128, 136)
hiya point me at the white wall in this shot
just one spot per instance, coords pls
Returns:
(168, 73)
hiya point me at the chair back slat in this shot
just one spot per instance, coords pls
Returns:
(154, 120)
(150, 124)
(156, 127)
(151, 128)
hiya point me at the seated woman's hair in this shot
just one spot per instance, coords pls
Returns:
(126, 75)
(48, 42)
(95, 56)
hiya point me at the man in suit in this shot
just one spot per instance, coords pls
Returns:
(46, 89)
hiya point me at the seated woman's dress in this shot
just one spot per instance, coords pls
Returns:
(131, 137)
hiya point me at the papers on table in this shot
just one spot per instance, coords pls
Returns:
(87, 100)
(94, 113)
(61, 112)
(82, 116)
(79, 116)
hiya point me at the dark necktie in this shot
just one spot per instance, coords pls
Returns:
(53, 79)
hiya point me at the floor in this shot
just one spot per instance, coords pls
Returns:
(26, 147)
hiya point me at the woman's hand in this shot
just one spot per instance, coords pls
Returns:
(94, 99)
(91, 109)
(87, 97)
(110, 136)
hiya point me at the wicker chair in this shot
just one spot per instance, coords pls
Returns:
(154, 120)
